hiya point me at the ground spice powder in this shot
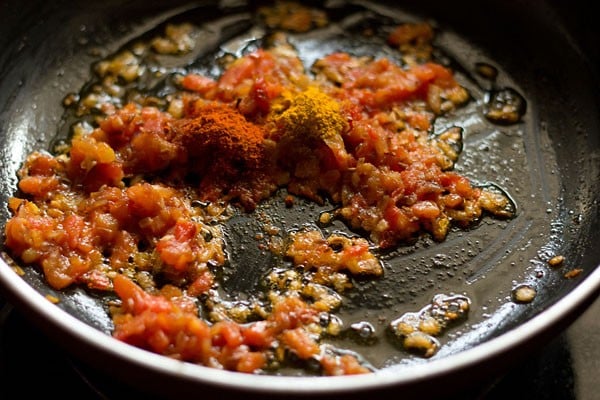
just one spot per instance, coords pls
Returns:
(221, 138)
(313, 114)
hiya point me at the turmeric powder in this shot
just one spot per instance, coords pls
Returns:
(312, 115)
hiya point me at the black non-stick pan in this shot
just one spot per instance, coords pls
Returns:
(548, 162)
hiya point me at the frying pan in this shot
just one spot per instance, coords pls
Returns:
(549, 163)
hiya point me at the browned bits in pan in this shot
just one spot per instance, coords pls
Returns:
(413, 40)
(573, 273)
(292, 16)
(417, 331)
(486, 71)
(176, 40)
(505, 106)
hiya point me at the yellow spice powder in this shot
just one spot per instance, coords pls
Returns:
(313, 115)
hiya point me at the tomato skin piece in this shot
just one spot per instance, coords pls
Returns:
(151, 152)
(178, 254)
(144, 200)
(432, 72)
(176, 249)
(73, 225)
(226, 333)
(135, 299)
(198, 83)
(343, 365)
(251, 362)
(96, 280)
(258, 334)
(38, 186)
(103, 174)
(86, 152)
(201, 284)
(426, 210)
(39, 178)
(57, 271)
(260, 96)
(300, 343)
(185, 230)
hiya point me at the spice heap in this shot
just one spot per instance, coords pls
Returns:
(133, 204)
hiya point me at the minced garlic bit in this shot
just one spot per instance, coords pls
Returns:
(52, 299)
(18, 270)
(573, 273)
(556, 261)
(418, 330)
(325, 218)
(124, 65)
(524, 294)
(177, 40)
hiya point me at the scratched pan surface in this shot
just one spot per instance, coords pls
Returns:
(549, 164)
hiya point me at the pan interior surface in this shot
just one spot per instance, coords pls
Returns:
(547, 162)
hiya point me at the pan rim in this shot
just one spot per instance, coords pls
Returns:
(39, 309)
